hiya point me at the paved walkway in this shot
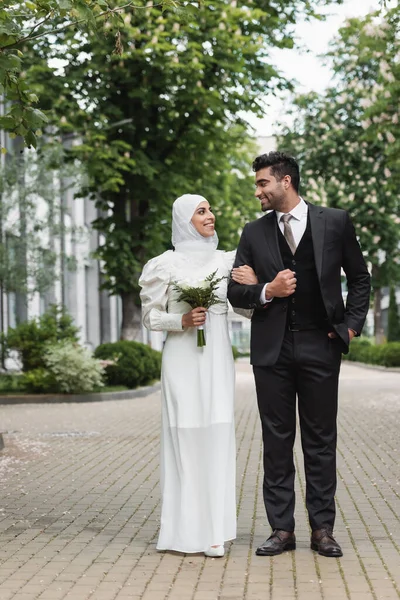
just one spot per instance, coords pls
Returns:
(79, 505)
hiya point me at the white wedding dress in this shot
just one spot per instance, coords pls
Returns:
(197, 386)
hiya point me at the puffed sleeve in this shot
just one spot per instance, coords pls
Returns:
(154, 282)
(229, 260)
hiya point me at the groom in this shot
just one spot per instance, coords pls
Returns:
(300, 327)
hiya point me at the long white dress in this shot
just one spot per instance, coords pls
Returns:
(198, 436)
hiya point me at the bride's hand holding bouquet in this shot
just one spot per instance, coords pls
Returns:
(200, 298)
(195, 318)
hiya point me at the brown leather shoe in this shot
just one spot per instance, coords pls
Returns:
(279, 541)
(323, 542)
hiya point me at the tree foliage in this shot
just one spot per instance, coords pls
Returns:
(164, 117)
(22, 23)
(343, 163)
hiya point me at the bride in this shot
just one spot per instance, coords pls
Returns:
(198, 437)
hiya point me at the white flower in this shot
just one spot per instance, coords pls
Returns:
(390, 137)
(371, 30)
(387, 172)
(203, 284)
(366, 102)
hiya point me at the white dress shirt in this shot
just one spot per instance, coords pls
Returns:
(298, 224)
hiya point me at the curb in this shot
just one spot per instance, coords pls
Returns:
(79, 398)
(373, 367)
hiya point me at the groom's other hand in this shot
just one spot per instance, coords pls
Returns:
(333, 335)
(282, 286)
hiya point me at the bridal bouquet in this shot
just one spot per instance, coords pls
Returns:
(202, 295)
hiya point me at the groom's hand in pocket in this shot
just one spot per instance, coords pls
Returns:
(195, 318)
(282, 286)
(333, 334)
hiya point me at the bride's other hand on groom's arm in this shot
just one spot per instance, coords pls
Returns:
(244, 275)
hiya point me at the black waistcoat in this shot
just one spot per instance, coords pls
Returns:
(305, 307)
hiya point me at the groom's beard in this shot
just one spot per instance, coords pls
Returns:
(265, 204)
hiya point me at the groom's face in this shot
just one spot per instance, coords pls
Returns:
(270, 192)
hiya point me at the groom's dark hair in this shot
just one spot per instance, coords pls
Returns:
(281, 164)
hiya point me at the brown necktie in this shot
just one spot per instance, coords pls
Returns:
(287, 232)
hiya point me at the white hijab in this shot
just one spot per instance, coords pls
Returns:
(185, 237)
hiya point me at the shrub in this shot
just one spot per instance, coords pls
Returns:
(74, 368)
(362, 350)
(390, 354)
(69, 369)
(359, 349)
(11, 383)
(235, 352)
(39, 381)
(30, 338)
(135, 364)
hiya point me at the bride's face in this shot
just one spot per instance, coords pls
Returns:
(203, 219)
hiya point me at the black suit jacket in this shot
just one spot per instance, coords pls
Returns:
(335, 247)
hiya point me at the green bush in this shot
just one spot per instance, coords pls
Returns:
(31, 338)
(11, 383)
(74, 368)
(134, 363)
(358, 350)
(363, 350)
(69, 369)
(390, 354)
(235, 352)
(39, 381)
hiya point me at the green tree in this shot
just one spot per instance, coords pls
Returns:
(164, 117)
(345, 168)
(22, 23)
(381, 34)
(393, 334)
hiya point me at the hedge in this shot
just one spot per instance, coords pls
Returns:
(363, 350)
(134, 363)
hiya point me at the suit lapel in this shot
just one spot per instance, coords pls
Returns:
(271, 231)
(317, 224)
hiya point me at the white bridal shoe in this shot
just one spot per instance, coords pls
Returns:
(215, 551)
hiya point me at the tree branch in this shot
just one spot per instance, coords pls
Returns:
(109, 12)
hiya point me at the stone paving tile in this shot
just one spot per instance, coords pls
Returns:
(79, 505)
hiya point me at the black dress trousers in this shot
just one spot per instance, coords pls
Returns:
(307, 368)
